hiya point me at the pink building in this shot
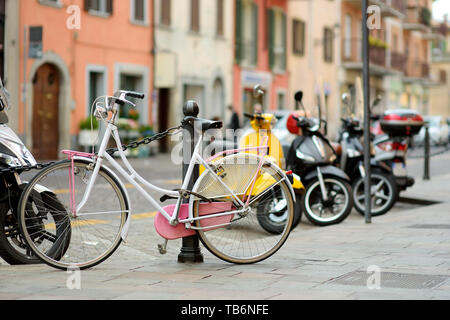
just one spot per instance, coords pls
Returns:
(63, 53)
(260, 54)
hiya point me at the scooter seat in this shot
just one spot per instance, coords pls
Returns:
(337, 148)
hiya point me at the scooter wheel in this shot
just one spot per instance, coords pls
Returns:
(333, 211)
(13, 248)
(273, 220)
(384, 198)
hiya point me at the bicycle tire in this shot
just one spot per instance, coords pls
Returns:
(244, 228)
(81, 241)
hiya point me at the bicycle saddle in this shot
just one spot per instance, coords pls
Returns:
(205, 124)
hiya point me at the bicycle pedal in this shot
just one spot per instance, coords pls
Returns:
(162, 248)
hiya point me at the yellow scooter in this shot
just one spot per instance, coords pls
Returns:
(271, 214)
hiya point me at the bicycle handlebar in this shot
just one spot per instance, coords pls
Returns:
(133, 94)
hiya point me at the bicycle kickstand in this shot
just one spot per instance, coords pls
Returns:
(163, 247)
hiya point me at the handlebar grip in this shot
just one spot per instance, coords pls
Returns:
(136, 95)
(248, 115)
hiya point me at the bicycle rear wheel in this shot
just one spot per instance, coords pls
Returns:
(94, 232)
(239, 237)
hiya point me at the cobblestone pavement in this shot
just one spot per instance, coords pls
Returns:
(409, 247)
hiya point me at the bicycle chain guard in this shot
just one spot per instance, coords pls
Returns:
(169, 232)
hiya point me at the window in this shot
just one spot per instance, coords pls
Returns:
(52, 3)
(195, 15)
(246, 38)
(96, 85)
(219, 18)
(348, 37)
(281, 101)
(165, 12)
(99, 7)
(277, 39)
(139, 11)
(328, 39)
(299, 37)
(131, 83)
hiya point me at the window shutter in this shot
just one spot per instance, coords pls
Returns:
(238, 30)
(271, 31)
(87, 5)
(219, 29)
(284, 35)
(109, 6)
(255, 33)
(195, 15)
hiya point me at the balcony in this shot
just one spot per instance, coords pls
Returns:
(417, 69)
(418, 19)
(389, 8)
(352, 56)
(398, 61)
(425, 70)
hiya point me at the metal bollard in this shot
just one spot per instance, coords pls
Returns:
(426, 159)
(190, 250)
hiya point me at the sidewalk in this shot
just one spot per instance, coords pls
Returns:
(410, 248)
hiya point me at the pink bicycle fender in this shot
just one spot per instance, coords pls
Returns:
(179, 231)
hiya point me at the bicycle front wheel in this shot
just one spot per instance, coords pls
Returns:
(64, 239)
(239, 237)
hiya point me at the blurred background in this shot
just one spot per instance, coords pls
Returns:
(57, 56)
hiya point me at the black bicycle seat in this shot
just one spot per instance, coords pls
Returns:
(205, 124)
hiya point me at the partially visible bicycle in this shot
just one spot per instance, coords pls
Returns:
(221, 207)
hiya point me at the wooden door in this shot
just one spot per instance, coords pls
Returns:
(46, 85)
(163, 117)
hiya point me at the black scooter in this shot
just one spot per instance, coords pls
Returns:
(328, 197)
(350, 151)
(14, 156)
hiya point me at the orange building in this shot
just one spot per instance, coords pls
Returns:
(62, 54)
(260, 53)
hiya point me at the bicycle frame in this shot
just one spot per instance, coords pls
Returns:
(133, 178)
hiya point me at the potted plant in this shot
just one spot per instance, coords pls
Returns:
(88, 131)
(146, 131)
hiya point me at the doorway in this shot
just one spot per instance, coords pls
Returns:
(46, 89)
(163, 117)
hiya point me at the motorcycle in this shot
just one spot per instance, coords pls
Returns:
(271, 214)
(14, 157)
(328, 197)
(350, 152)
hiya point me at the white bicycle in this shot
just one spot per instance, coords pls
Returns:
(221, 207)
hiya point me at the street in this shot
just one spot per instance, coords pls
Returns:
(408, 247)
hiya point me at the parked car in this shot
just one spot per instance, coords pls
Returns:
(438, 130)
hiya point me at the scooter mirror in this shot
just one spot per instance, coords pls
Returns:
(298, 96)
(258, 91)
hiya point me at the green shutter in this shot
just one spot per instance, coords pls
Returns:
(284, 35)
(109, 6)
(238, 35)
(271, 31)
(255, 33)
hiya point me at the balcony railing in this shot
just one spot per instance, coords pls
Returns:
(399, 5)
(398, 61)
(425, 70)
(417, 69)
(352, 52)
(418, 17)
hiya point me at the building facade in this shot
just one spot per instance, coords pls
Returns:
(260, 54)
(194, 60)
(60, 55)
(440, 72)
(313, 55)
(400, 52)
